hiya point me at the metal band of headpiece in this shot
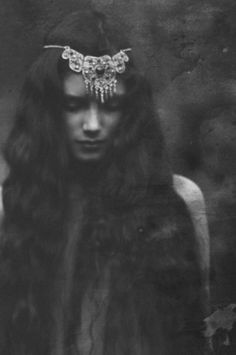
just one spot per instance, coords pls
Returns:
(99, 73)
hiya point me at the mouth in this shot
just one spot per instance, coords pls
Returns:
(91, 144)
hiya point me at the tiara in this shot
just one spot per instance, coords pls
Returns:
(99, 73)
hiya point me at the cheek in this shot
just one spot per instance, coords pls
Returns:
(72, 123)
(112, 122)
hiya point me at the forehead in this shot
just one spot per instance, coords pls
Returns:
(73, 85)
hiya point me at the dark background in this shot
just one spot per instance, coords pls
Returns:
(188, 51)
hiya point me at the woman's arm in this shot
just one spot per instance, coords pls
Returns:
(1, 207)
(194, 199)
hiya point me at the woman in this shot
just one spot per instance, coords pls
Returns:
(98, 252)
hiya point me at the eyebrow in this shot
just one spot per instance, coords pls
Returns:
(88, 96)
(71, 96)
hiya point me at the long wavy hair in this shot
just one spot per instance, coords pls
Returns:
(35, 193)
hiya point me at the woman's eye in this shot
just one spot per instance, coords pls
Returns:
(113, 105)
(73, 105)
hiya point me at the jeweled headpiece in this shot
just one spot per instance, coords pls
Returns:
(99, 73)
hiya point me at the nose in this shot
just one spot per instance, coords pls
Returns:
(92, 124)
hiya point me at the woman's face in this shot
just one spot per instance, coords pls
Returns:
(91, 125)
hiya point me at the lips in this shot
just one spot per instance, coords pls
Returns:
(91, 144)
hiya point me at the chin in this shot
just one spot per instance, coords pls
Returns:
(92, 157)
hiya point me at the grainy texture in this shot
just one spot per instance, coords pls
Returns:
(187, 49)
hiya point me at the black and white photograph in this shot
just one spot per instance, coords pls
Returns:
(118, 177)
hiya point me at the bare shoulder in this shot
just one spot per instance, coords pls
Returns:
(189, 191)
(192, 195)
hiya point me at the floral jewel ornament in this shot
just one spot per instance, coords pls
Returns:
(99, 73)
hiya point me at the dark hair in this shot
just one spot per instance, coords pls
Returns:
(89, 33)
(36, 151)
(35, 193)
